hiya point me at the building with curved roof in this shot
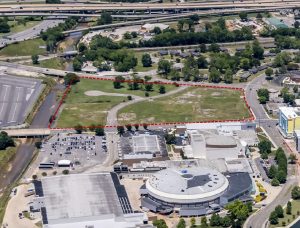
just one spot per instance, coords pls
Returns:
(193, 191)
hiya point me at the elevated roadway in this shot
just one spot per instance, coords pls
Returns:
(32, 133)
(171, 7)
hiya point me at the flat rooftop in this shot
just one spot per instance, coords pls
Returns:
(80, 197)
(145, 143)
(290, 112)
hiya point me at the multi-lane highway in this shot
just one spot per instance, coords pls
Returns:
(28, 33)
(172, 7)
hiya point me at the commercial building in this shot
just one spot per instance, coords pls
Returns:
(85, 200)
(142, 145)
(193, 191)
(289, 120)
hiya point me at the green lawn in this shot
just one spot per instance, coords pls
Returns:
(107, 86)
(190, 105)
(54, 63)
(289, 218)
(28, 47)
(6, 156)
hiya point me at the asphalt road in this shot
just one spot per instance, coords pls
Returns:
(259, 219)
(28, 33)
(21, 160)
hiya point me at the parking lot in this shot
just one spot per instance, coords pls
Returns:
(17, 97)
(82, 150)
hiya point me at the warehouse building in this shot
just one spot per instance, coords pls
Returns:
(194, 191)
(85, 201)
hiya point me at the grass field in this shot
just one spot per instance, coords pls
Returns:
(190, 105)
(86, 110)
(28, 47)
(287, 219)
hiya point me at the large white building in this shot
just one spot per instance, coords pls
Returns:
(94, 200)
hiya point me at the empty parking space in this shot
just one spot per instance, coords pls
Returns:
(17, 96)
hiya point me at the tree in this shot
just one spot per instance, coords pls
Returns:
(204, 222)
(146, 60)
(228, 77)
(279, 211)
(99, 131)
(181, 223)
(78, 128)
(81, 47)
(295, 89)
(226, 221)
(160, 223)
(164, 67)
(145, 126)
(128, 127)
(297, 24)
(272, 172)
(38, 144)
(127, 36)
(238, 210)
(296, 193)
(269, 72)
(170, 138)
(156, 30)
(215, 220)
(293, 158)
(202, 62)
(264, 146)
(35, 59)
(71, 79)
(34, 177)
(118, 82)
(281, 176)
(289, 208)
(105, 18)
(273, 218)
(275, 182)
(193, 222)
(162, 89)
(214, 47)
(262, 100)
(258, 51)
(4, 26)
(214, 75)
(149, 87)
(259, 16)
(77, 64)
(65, 172)
(53, 1)
(202, 48)
(120, 130)
(243, 16)
(136, 126)
(263, 93)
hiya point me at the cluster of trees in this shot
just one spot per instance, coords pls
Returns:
(99, 131)
(188, 24)
(277, 213)
(71, 79)
(4, 26)
(263, 95)
(285, 62)
(278, 173)
(121, 129)
(5, 141)
(264, 147)
(215, 32)
(104, 49)
(287, 96)
(53, 35)
(130, 35)
(105, 18)
(217, 220)
(138, 84)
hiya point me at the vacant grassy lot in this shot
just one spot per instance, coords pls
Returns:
(6, 156)
(139, 67)
(87, 110)
(54, 63)
(107, 86)
(28, 47)
(193, 104)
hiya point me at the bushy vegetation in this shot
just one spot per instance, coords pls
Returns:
(4, 26)
(53, 35)
(5, 141)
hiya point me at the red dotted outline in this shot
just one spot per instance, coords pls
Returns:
(251, 118)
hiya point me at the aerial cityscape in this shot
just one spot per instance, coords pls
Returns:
(149, 113)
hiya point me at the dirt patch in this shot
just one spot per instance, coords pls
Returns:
(93, 93)
(127, 116)
(216, 94)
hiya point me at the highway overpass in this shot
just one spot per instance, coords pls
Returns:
(28, 133)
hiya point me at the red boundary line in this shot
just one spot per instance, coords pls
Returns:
(251, 118)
